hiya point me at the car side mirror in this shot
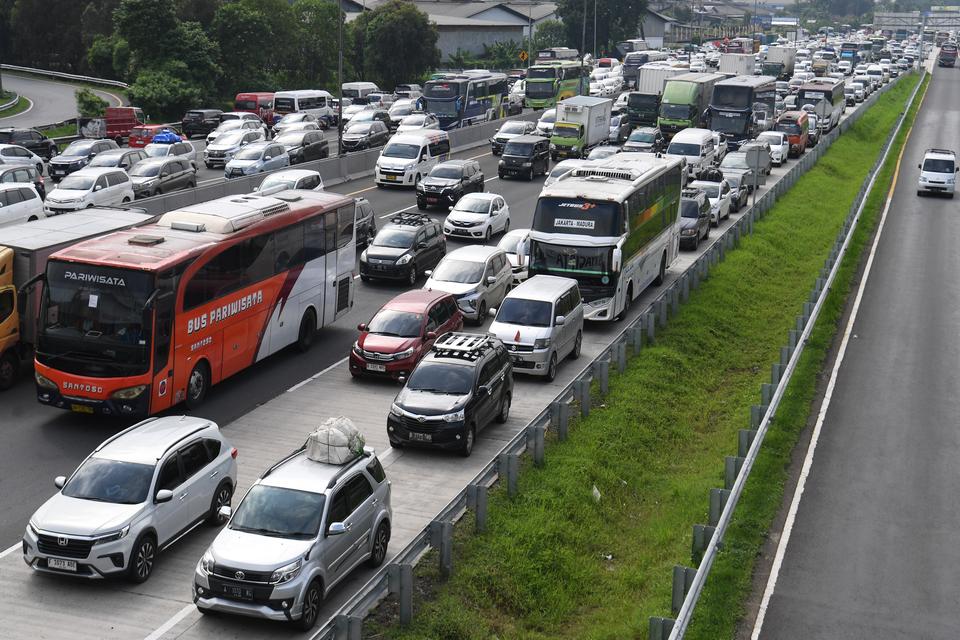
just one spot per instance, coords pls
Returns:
(164, 495)
(492, 312)
(485, 389)
(422, 244)
(362, 326)
(336, 529)
(918, 166)
(266, 158)
(224, 512)
(97, 188)
(559, 320)
(402, 379)
(428, 272)
(59, 481)
(431, 335)
(450, 208)
(491, 279)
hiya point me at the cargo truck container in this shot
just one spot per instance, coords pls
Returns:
(643, 105)
(738, 64)
(685, 101)
(779, 63)
(583, 122)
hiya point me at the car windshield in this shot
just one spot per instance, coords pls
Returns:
(712, 190)
(103, 480)
(522, 149)
(402, 324)
(401, 150)
(80, 183)
(78, 148)
(773, 138)
(157, 150)
(938, 165)
(363, 116)
(461, 271)
(735, 161)
(145, 169)
(683, 149)
(359, 129)
(510, 243)
(512, 127)
(394, 239)
(250, 153)
(689, 209)
(292, 139)
(528, 313)
(105, 160)
(290, 118)
(403, 110)
(229, 139)
(279, 512)
(473, 204)
(446, 172)
(549, 117)
(439, 377)
(642, 136)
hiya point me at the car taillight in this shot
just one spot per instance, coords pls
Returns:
(233, 453)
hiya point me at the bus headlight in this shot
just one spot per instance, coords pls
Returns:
(43, 381)
(129, 393)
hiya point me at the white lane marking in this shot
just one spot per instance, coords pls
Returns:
(27, 110)
(317, 375)
(821, 416)
(171, 623)
(10, 549)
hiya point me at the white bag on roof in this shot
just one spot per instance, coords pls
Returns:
(336, 441)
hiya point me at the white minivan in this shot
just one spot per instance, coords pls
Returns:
(938, 172)
(697, 146)
(90, 187)
(19, 202)
(541, 323)
(409, 156)
(357, 92)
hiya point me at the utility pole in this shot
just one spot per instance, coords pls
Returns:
(340, 79)
(583, 46)
(594, 29)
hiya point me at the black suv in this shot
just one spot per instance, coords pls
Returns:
(460, 387)
(31, 139)
(527, 155)
(200, 121)
(405, 248)
(76, 156)
(447, 182)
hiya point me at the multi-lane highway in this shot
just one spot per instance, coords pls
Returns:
(52, 101)
(872, 550)
(266, 411)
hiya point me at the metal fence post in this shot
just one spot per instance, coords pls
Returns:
(682, 579)
(660, 628)
(603, 373)
(583, 395)
(745, 441)
(718, 500)
(538, 433)
(731, 469)
(701, 537)
(477, 500)
(560, 418)
(651, 327)
(441, 538)
(621, 347)
(400, 581)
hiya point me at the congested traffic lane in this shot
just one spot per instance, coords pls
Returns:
(423, 481)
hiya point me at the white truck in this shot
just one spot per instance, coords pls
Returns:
(780, 62)
(738, 64)
(643, 104)
(582, 123)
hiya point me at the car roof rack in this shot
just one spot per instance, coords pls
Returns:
(411, 219)
(948, 152)
(690, 192)
(467, 346)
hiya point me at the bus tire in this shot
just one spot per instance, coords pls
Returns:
(197, 385)
(663, 271)
(308, 328)
(9, 370)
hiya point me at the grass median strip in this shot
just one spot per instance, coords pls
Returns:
(20, 106)
(557, 563)
(722, 600)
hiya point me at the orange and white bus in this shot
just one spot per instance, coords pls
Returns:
(136, 321)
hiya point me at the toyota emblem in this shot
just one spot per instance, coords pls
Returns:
(239, 575)
(421, 419)
(63, 541)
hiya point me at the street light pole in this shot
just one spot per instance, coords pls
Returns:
(594, 28)
(340, 79)
(583, 46)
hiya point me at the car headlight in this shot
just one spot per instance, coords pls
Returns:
(286, 573)
(363, 256)
(406, 353)
(395, 410)
(405, 258)
(527, 164)
(553, 147)
(456, 416)
(410, 166)
(206, 564)
(541, 343)
(688, 232)
(113, 536)
(33, 529)
(923, 179)
(356, 348)
(129, 393)
(43, 381)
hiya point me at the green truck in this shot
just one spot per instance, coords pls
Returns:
(582, 123)
(685, 101)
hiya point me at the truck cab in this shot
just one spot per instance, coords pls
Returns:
(120, 120)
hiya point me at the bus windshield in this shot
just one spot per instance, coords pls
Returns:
(676, 111)
(571, 261)
(94, 320)
(541, 72)
(566, 215)
(730, 97)
(285, 105)
(441, 107)
(731, 122)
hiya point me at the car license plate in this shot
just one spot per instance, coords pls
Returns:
(421, 437)
(62, 565)
(58, 172)
(431, 199)
(243, 593)
(81, 408)
(391, 178)
(382, 368)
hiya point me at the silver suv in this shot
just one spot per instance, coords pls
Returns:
(137, 493)
(300, 529)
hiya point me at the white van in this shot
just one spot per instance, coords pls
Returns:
(90, 187)
(357, 92)
(697, 146)
(409, 156)
(316, 102)
(938, 172)
(541, 323)
(19, 202)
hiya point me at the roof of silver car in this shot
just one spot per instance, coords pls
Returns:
(147, 441)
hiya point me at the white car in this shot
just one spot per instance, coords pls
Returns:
(478, 216)
(720, 196)
(516, 244)
(15, 154)
(19, 202)
(90, 187)
(845, 67)
(620, 104)
(291, 179)
(938, 172)
(546, 122)
(779, 146)
(177, 149)
(418, 122)
(236, 125)
(352, 110)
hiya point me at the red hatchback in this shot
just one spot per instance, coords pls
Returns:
(402, 332)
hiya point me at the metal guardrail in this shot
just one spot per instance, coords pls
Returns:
(10, 103)
(396, 578)
(65, 76)
(724, 501)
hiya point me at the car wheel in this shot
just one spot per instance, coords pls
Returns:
(488, 235)
(125, 200)
(412, 278)
(530, 175)
(552, 368)
(422, 206)
(220, 499)
(364, 278)
(577, 346)
(308, 329)
(143, 559)
(209, 166)
(198, 384)
(481, 312)
(9, 370)
(919, 193)
(468, 441)
(504, 414)
(500, 175)
(381, 540)
(506, 226)
(312, 600)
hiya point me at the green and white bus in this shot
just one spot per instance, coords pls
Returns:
(550, 82)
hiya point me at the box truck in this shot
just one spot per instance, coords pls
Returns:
(779, 63)
(582, 123)
(643, 105)
(738, 64)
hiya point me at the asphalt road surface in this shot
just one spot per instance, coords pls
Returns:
(52, 101)
(873, 550)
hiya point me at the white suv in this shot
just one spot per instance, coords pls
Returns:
(138, 492)
(478, 216)
(90, 187)
(478, 276)
(300, 529)
(937, 172)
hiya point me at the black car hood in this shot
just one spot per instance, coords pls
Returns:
(429, 404)
(385, 253)
(687, 223)
(439, 182)
(67, 159)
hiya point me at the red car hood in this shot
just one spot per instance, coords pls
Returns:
(385, 344)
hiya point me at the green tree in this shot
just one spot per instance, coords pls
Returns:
(316, 43)
(46, 34)
(549, 33)
(400, 44)
(202, 11)
(89, 104)
(616, 20)
(163, 95)
(238, 28)
(150, 29)
(100, 57)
